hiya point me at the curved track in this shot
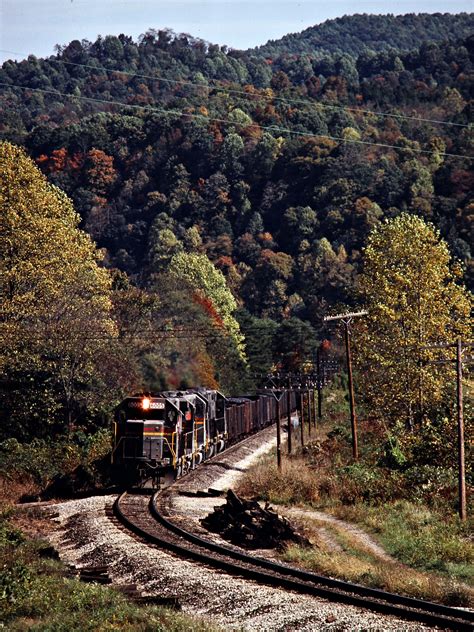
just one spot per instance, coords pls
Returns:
(141, 514)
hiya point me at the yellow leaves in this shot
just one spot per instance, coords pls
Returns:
(412, 299)
(199, 272)
(51, 287)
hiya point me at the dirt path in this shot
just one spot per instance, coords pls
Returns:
(360, 536)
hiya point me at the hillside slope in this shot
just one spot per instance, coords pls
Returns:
(354, 34)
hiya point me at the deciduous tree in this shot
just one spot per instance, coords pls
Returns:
(410, 289)
(55, 300)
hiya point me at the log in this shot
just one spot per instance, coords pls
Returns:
(245, 523)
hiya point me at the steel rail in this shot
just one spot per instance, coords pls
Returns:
(281, 576)
(409, 602)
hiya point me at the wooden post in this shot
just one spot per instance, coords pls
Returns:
(302, 418)
(458, 345)
(355, 451)
(346, 319)
(313, 403)
(278, 435)
(320, 379)
(461, 464)
(288, 401)
(309, 412)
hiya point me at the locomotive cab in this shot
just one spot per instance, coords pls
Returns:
(146, 432)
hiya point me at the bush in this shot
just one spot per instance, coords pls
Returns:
(393, 457)
(43, 461)
(34, 594)
(433, 484)
(293, 484)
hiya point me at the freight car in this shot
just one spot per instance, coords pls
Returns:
(169, 433)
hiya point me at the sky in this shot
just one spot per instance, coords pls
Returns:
(35, 26)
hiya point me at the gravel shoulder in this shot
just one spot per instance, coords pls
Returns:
(85, 536)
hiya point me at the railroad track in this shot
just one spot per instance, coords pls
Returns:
(141, 514)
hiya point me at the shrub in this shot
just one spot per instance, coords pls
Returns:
(42, 461)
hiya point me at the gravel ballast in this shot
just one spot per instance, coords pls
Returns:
(87, 537)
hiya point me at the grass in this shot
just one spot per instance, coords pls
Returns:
(355, 561)
(418, 536)
(432, 554)
(36, 595)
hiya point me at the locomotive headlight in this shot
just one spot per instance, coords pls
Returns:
(146, 403)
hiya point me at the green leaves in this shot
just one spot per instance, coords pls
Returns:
(198, 272)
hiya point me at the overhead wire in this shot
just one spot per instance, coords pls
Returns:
(205, 118)
(243, 93)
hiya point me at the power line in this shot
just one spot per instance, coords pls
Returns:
(247, 94)
(203, 118)
(124, 332)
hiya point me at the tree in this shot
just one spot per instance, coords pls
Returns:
(55, 301)
(259, 334)
(205, 286)
(294, 343)
(266, 287)
(100, 171)
(163, 244)
(410, 290)
(209, 282)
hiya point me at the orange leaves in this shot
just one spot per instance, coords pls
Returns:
(100, 170)
(60, 160)
(205, 370)
(209, 308)
(325, 346)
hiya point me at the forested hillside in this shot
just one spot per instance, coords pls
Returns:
(275, 170)
(174, 213)
(354, 34)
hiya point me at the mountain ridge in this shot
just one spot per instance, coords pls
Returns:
(384, 31)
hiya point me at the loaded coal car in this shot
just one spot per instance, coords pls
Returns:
(167, 434)
(239, 418)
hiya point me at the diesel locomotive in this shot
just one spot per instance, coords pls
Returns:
(167, 434)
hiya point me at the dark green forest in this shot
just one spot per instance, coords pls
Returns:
(276, 163)
(354, 34)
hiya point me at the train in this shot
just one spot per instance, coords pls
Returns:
(167, 434)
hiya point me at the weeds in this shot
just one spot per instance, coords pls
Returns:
(408, 508)
(350, 565)
(35, 595)
(419, 536)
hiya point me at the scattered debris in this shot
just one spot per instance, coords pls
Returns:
(99, 574)
(200, 493)
(96, 574)
(245, 523)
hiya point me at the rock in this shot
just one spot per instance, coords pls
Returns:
(245, 523)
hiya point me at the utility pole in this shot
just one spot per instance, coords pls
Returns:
(302, 417)
(346, 320)
(288, 403)
(460, 415)
(278, 433)
(313, 403)
(459, 346)
(309, 410)
(319, 383)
